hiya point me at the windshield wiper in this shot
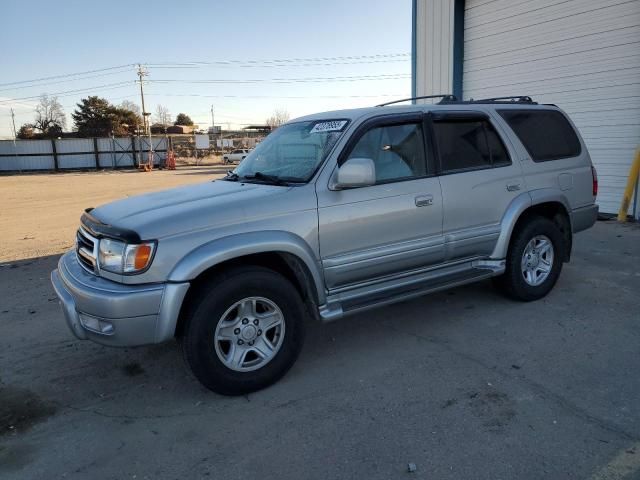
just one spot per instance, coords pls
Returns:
(232, 176)
(264, 177)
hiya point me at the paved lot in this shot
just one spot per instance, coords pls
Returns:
(465, 384)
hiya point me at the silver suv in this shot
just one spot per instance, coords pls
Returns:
(330, 215)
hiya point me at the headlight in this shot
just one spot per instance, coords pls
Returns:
(118, 257)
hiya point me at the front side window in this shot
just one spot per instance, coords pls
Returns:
(546, 134)
(293, 151)
(396, 150)
(469, 145)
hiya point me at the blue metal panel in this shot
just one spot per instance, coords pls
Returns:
(458, 47)
(414, 9)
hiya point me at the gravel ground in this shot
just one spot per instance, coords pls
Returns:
(462, 384)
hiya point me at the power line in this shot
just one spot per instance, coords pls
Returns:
(282, 61)
(291, 97)
(313, 61)
(108, 86)
(354, 78)
(325, 64)
(66, 75)
(221, 81)
(35, 85)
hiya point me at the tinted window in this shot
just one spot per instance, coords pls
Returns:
(499, 155)
(469, 144)
(396, 150)
(546, 134)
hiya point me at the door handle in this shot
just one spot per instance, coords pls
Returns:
(513, 187)
(424, 200)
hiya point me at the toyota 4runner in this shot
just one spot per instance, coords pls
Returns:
(330, 215)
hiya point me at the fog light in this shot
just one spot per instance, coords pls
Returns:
(96, 325)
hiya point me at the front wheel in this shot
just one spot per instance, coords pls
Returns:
(244, 330)
(534, 260)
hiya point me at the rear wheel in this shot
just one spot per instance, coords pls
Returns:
(534, 260)
(244, 330)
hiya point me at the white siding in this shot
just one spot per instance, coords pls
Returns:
(583, 55)
(434, 41)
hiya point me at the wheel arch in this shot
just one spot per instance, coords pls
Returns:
(282, 252)
(548, 203)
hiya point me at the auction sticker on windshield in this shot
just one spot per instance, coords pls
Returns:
(330, 126)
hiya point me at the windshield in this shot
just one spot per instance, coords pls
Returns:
(293, 151)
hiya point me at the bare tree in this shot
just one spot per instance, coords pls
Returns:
(162, 115)
(131, 106)
(277, 118)
(50, 118)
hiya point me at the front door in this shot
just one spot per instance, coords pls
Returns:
(391, 227)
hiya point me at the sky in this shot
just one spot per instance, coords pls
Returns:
(246, 58)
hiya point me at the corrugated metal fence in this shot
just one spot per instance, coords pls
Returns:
(79, 153)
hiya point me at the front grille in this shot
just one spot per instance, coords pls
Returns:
(86, 250)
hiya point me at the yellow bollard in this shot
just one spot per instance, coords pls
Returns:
(631, 182)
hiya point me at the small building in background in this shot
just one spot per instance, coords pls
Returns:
(181, 129)
(159, 129)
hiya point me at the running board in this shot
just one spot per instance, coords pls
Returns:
(368, 297)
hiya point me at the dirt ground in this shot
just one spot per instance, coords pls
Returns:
(40, 212)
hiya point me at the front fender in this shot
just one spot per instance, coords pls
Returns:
(243, 244)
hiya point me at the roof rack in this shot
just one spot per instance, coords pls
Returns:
(447, 97)
(513, 99)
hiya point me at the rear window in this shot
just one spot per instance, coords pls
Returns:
(546, 134)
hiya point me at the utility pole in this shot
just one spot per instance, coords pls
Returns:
(142, 72)
(213, 130)
(13, 122)
(15, 136)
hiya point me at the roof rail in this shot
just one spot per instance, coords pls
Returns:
(445, 97)
(512, 99)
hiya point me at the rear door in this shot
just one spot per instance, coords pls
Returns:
(479, 180)
(389, 228)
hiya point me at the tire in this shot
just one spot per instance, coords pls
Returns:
(216, 333)
(529, 239)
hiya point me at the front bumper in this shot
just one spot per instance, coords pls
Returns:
(112, 313)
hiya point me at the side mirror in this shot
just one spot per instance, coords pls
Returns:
(355, 172)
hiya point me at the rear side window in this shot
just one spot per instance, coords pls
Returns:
(546, 134)
(469, 145)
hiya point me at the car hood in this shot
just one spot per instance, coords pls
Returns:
(193, 207)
